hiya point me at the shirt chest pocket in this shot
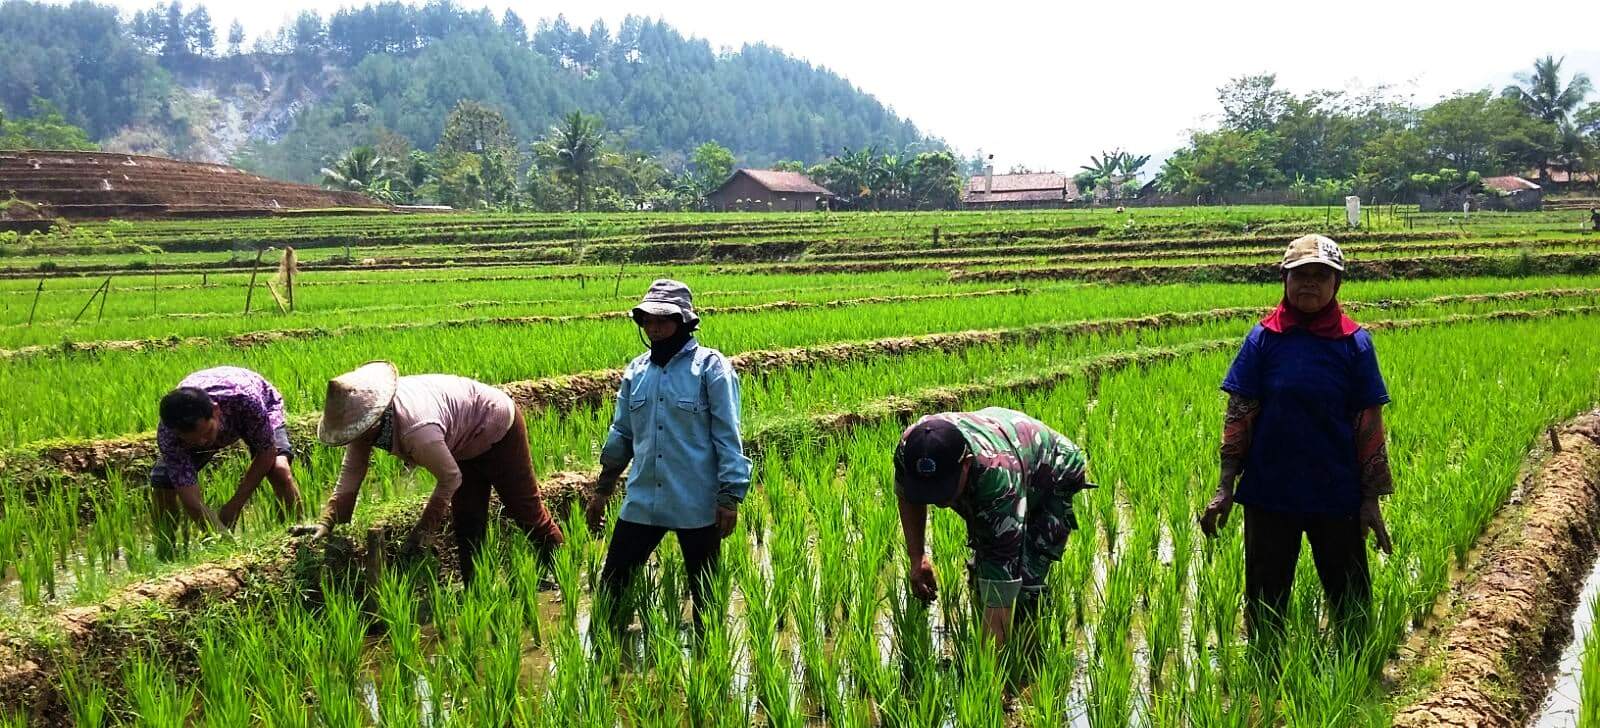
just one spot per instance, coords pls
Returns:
(688, 407)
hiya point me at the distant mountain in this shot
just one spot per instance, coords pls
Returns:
(158, 83)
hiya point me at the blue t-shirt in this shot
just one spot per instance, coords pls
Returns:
(1302, 456)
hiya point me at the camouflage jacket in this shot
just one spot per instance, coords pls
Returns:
(1017, 461)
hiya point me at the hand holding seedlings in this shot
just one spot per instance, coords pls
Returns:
(594, 512)
(229, 513)
(1372, 520)
(413, 546)
(1215, 517)
(594, 508)
(727, 518)
(309, 531)
(924, 585)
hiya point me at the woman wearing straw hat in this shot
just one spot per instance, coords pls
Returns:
(677, 421)
(470, 435)
(1303, 438)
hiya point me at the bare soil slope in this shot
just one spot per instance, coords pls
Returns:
(89, 185)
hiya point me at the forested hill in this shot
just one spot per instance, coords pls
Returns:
(167, 81)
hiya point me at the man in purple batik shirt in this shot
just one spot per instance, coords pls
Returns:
(208, 411)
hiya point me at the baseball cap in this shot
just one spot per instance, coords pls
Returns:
(927, 463)
(1310, 249)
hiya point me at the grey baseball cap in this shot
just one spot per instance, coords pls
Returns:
(668, 297)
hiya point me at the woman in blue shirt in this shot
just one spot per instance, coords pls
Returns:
(677, 421)
(1303, 440)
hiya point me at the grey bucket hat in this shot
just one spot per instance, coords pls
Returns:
(668, 297)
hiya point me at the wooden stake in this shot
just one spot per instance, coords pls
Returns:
(90, 302)
(102, 314)
(273, 289)
(35, 307)
(250, 292)
(155, 289)
(1555, 442)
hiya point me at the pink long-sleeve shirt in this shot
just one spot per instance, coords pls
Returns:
(440, 420)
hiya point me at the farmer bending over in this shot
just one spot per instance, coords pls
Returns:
(469, 435)
(210, 410)
(1303, 437)
(677, 421)
(1011, 478)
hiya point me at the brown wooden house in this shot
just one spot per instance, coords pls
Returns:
(1010, 191)
(751, 190)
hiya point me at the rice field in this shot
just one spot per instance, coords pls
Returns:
(844, 327)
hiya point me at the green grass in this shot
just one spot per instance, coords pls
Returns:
(1146, 623)
(874, 658)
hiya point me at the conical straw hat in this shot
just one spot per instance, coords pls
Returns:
(356, 401)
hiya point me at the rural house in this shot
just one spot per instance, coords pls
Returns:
(1009, 191)
(766, 189)
(1507, 193)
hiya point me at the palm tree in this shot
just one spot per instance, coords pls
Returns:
(1542, 96)
(575, 151)
(1131, 165)
(889, 178)
(850, 175)
(1105, 165)
(363, 170)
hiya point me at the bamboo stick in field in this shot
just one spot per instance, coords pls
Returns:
(36, 293)
(90, 302)
(250, 292)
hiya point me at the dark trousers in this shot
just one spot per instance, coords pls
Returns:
(631, 546)
(1271, 549)
(508, 468)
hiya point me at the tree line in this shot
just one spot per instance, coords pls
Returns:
(578, 164)
(1326, 144)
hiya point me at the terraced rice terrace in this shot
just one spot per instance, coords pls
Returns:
(1116, 328)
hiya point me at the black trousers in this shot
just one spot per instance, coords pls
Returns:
(631, 546)
(1271, 549)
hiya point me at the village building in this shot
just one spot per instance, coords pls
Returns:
(1013, 191)
(752, 190)
(1508, 193)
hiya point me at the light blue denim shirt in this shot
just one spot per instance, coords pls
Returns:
(679, 424)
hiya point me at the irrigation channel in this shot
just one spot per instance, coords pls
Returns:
(1114, 328)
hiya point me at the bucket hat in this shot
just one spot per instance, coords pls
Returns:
(668, 297)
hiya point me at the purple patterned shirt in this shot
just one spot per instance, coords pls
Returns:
(251, 409)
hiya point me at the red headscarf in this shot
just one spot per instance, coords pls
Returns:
(1329, 323)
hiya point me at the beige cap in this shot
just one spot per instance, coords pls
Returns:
(356, 401)
(1309, 249)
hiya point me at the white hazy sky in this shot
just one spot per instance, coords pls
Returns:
(1047, 84)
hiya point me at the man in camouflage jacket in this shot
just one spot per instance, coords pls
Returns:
(1011, 478)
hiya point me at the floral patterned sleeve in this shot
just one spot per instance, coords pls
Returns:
(180, 466)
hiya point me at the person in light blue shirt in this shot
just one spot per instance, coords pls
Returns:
(677, 422)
